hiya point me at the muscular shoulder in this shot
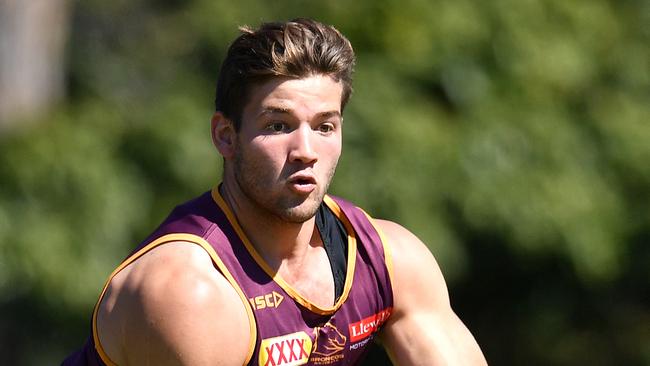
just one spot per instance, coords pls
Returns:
(171, 307)
(402, 240)
(416, 275)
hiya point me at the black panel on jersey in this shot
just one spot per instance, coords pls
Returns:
(335, 241)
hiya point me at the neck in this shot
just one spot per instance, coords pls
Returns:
(281, 243)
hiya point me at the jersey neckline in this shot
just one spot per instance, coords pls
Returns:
(292, 292)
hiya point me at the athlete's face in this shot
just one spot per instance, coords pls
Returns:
(288, 145)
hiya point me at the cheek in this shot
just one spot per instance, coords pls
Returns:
(333, 150)
(263, 151)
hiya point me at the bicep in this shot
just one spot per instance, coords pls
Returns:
(174, 309)
(426, 338)
(423, 330)
(189, 330)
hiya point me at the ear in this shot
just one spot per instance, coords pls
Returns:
(223, 134)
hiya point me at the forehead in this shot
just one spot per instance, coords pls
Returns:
(302, 97)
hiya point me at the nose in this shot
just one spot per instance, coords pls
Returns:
(302, 145)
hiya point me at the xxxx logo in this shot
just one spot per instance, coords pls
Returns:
(287, 350)
(271, 300)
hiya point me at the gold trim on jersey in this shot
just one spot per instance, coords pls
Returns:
(388, 254)
(178, 237)
(352, 252)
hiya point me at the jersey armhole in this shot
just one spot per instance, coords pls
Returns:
(219, 265)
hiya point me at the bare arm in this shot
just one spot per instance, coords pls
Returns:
(171, 307)
(423, 329)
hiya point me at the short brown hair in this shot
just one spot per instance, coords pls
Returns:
(296, 49)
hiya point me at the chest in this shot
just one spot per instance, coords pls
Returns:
(293, 313)
(313, 280)
(290, 334)
(292, 330)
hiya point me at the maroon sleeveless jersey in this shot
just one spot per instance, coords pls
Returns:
(286, 328)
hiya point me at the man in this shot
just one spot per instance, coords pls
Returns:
(266, 269)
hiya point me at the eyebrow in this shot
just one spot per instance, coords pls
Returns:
(288, 111)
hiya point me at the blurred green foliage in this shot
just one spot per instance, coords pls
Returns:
(512, 136)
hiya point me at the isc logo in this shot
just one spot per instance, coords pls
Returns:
(271, 300)
(287, 350)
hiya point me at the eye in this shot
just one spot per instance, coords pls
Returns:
(326, 127)
(277, 126)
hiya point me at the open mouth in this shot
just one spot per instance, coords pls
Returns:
(303, 183)
(302, 178)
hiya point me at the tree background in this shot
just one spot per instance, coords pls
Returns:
(511, 136)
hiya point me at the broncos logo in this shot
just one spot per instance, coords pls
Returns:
(328, 340)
